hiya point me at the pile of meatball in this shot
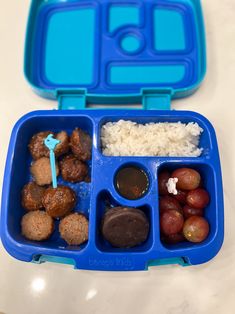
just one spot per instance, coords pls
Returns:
(44, 203)
(182, 213)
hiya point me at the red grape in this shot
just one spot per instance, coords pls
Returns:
(171, 222)
(196, 229)
(198, 198)
(181, 196)
(162, 181)
(173, 238)
(188, 179)
(169, 203)
(191, 211)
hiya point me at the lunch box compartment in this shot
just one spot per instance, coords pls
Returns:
(106, 201)
(20, 174)
(208, 176)
(109, 167)
(205, 139)
(144, 167)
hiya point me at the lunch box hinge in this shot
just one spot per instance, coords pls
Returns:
(72, 100)
(157, 99)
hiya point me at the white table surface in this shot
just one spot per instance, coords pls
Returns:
(52, 288)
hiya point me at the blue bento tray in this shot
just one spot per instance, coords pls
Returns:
(112, 52)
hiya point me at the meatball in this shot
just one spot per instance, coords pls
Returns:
(63, 147)
(72, 169)
(81, 144)
(37, 147)
(32, 196)
(37, 225)
(125, 227)
(41, 171)
(59, 202)
(74, 229)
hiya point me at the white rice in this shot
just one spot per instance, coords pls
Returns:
(127, 138)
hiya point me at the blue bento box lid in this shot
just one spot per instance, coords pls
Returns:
(115, 51)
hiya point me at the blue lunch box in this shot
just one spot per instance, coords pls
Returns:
(113, 52)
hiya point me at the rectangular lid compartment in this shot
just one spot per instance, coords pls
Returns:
(115, 48)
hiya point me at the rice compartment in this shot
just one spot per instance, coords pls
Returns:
(127, 138)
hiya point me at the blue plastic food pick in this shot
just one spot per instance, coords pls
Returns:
(51, 144)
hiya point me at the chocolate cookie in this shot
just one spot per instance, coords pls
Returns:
(125, 227)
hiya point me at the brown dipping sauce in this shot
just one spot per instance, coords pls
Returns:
(131, 182)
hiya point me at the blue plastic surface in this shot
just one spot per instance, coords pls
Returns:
(97, 254)
(113, 48)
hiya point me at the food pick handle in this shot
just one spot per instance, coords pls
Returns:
(51, 144)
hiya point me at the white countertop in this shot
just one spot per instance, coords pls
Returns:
(52, 288)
